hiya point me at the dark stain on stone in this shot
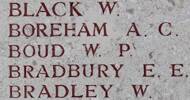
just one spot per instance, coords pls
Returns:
(119, 90)
(134, 45)
(172, 2)
(34, 62)
(131, 11)
(150, 55)
(151, 25)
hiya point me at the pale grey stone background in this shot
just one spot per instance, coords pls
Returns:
(147, 14)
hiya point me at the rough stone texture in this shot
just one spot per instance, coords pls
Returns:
(154, 48)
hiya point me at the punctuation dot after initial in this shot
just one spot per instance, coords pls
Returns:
(150, 97)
